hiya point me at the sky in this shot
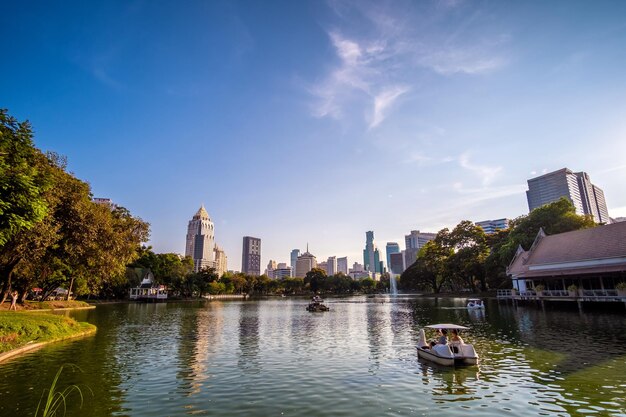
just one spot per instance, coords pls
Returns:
(315, 121)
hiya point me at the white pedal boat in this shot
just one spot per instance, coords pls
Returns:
(446, 355)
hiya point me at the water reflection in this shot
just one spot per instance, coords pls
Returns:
(271, 357)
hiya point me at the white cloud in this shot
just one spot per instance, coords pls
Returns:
(486, 173)
(381, 58)
(383, 101)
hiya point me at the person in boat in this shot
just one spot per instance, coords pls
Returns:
(455, 340)
(442, 339)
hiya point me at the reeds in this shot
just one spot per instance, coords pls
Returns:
(56, 401)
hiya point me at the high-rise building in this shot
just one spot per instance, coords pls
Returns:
(282, 271)
(575, 186)
(323, 266)
(396, 263)
(492, 226)
(392, 247)
(105, 202)
(271, 266)
(342, 265)
(414, 242)
(251, 256)
(331, 265)
(221, 261)
(294, 258)
(201, 240)
(305, 263)
(371, 256)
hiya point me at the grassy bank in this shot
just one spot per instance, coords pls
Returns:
(45, 305)
(18, 329)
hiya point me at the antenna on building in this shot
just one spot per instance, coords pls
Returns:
(307, 246)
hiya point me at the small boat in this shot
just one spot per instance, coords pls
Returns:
(475, 303)
(449, 354)
(316, 305)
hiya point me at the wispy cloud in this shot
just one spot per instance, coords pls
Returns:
(381, 59)
(486, 173)
(383, 101)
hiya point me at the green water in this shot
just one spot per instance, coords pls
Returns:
(272, 357)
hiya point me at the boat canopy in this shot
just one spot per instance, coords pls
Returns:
(447, 326)
(473, 299)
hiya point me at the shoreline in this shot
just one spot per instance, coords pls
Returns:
(34, 346)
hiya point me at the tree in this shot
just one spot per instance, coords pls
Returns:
(316, 279)
(557, 217)
(22, 181)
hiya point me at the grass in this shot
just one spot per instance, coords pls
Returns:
(45, 305)
(19, 329)
(56, 399)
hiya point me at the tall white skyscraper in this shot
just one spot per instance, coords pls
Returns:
(201, 240)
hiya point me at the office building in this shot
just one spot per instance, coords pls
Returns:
(342, 265)
(200, 244)
(331, 265)
(371, 256)
(492, 226)
(414, 242)
(294, 258)
(271, 266)
(392, 247)
(221, 261)
(305, 263)
(323, 266)
(251, 256)
(396, 263)
(281, 271)
(575, 186)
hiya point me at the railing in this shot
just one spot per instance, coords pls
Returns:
(599, 293)
(505, 294)
(148, 293)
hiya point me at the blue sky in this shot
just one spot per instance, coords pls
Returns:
(316, 121)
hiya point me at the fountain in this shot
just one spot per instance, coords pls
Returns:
(393, 290)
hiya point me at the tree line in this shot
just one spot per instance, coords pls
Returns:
(177, 274)
(467, 259)
(51, 232)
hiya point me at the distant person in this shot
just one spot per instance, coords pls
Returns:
(14, 295)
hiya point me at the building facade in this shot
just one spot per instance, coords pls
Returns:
(305, 263)
(371, 255)
(294, 259)
(200, 244)
(392, 247)
(492, 226)
(414, 242)
(575, 186)
(251, 256)
(342, 265)
(221, 261)
(396, 263)
(331, 265)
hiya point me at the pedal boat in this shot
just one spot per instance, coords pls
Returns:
(447, 355)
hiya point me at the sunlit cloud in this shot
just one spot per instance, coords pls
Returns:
(383, 101)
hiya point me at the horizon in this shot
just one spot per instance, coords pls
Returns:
(318, 121)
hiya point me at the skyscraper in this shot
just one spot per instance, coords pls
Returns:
(294, 258)
(201, 240)
(575, 186)
(221, 261)
(305, 263)
(414, 242)
(392, 247)
(342, 265)
(371, 256)
(331, 265)
(251, 256)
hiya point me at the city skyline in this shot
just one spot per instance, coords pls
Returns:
(385, 117)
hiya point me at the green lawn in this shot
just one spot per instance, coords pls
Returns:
(18, 329)
(42, 305)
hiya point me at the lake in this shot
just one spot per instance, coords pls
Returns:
(273, 358)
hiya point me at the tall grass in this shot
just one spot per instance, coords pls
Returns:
(57, 400)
